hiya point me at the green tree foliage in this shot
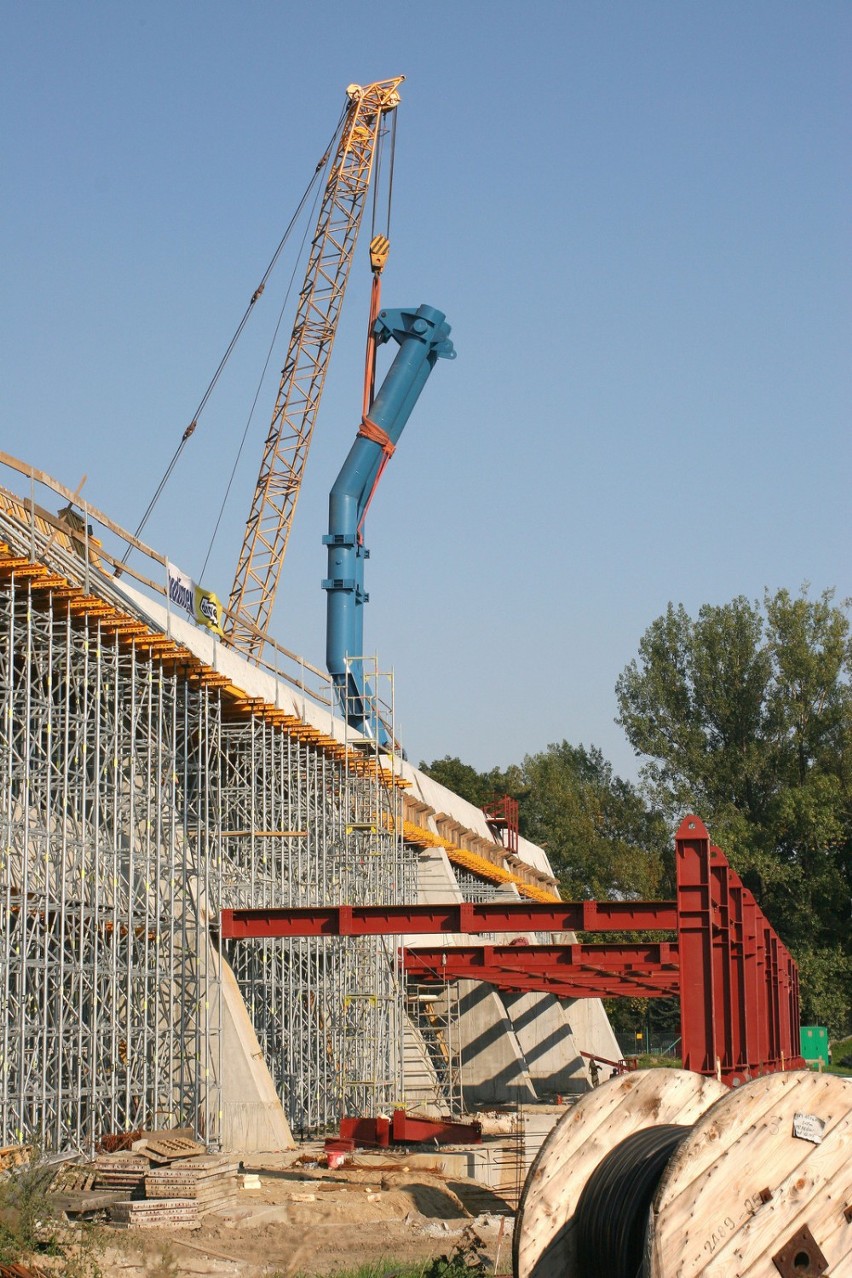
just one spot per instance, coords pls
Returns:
(600, 836)
(479, 788)
(744, 715)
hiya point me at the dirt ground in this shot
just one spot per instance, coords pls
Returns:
(312, 1220)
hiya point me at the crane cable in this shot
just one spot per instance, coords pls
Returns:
(190, 429)
(379, 248)
(375, 302)
(258, 389)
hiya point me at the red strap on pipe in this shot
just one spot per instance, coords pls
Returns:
(377, 435)
(370, 430)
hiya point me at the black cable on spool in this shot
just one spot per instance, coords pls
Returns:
(612, 1210)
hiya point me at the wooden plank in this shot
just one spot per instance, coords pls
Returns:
(744, 1182)
(160, 1148)
(80, 1202)
(544, 1242)
(74, 499)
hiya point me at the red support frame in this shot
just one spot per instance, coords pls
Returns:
(695, 944)
(737, 982)
(739, 1007)
(502, 817)
(646, 970)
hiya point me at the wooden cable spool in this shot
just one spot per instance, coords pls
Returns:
(750, 1183)
(761, 1186)
(545, 1238)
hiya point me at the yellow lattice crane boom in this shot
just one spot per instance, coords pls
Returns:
(302, 377)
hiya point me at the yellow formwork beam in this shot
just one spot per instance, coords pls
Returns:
(472, 861)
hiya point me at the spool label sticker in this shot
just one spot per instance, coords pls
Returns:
(808, 1127)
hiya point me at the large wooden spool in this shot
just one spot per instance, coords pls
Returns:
(760, 1186)
(545, 1244)
(766, 1172)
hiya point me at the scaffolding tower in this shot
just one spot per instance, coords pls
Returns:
(140, 796)
(434, 1013)
(302, 828)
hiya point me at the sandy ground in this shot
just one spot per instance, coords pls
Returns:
(311, 1220)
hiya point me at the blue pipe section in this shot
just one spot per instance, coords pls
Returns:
(423, 339)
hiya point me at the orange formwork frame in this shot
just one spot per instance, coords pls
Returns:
(737, 982)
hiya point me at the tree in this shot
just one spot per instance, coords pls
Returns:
(477, 787)
(744, 715)
(600, 836)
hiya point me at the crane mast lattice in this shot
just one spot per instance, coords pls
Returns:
(302, 377)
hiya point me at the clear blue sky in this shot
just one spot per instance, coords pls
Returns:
(635, 216)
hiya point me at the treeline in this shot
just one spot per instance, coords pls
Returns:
(743, 715)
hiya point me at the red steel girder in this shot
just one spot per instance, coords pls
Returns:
(648, 970)
(402, 1129)
(738, 984)
(461, 917)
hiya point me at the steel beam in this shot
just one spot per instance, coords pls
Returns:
(567, 971)
(462, 917)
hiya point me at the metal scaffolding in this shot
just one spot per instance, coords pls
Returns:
(137, 801)
(108, 1021)
(305, 829)
(434, 1013)
(474, 888)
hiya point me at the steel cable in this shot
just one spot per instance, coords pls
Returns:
(190, 429)
(259, 387)
(612, 1210)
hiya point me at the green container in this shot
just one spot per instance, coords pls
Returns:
(814, 1040)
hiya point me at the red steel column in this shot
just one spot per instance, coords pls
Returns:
(695, 943)
(751, 982)
(784, 1008)
(771, 943)
(737, 894)
(725, 992)
(795, 1016)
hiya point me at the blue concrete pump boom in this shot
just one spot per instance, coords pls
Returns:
(423, 338)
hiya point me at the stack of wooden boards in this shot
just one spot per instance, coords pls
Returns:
(180, 1192)
(164, 1180)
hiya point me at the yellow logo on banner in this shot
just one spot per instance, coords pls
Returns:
(208, 610)
(202, 605)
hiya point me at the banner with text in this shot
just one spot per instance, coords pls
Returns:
(199, 604)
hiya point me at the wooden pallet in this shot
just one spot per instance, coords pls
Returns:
(165, 1148)
(120, 1171)
(144, 1214)
(210, 1182)
(220, 1187)
(73, 1178)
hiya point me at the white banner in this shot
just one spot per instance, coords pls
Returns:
(201, 605)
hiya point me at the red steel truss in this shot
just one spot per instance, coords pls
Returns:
(569, 971)
(737, 982)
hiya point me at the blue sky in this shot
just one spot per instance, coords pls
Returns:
(635, 216)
